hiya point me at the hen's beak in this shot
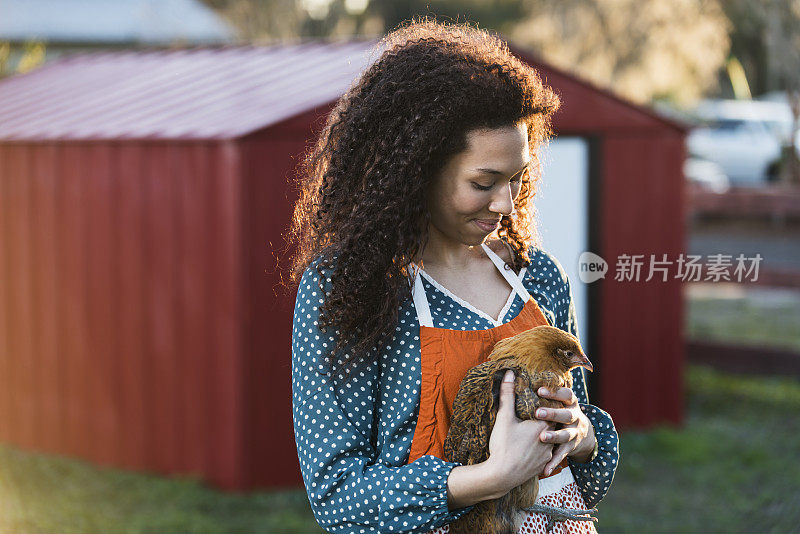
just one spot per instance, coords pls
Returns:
(582, 361)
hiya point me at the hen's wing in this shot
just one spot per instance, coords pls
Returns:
(475, 409)
(472, 412)
(525, 398)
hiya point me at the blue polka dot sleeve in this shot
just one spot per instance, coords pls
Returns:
(352, 452)
(594, 478)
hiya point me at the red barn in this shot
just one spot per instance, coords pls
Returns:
(143, 198)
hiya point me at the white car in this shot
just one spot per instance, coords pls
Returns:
(776, 112)
(741, 136)
(706, 174)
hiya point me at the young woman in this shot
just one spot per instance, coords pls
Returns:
(417, 252)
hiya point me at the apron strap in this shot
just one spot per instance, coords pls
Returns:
(420, 300)
(508, 274)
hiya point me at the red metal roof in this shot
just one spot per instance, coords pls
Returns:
(227, 92)
(198, 93)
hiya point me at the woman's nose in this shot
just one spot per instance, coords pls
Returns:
(503, 203)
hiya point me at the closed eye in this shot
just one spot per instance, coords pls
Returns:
(516, 181)
(481, 187)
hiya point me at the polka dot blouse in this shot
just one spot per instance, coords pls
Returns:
(353, 436)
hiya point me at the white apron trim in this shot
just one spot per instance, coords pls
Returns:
(467, 305)
(421, 300)
(555, 483)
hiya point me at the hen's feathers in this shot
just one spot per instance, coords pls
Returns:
(477, 401)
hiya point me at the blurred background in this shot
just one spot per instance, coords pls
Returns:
(146, 154)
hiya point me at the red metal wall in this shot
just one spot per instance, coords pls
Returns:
(270, 157)
(642, 323)
(121, 304)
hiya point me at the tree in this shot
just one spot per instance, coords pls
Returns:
(258, 21)
(643, 49)
(766, 39)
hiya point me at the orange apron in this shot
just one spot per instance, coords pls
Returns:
(447, 356)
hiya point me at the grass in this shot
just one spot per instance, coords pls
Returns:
(732, 468)
(50, 494)
(759, 317)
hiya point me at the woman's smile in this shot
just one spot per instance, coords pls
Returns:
(487, 225)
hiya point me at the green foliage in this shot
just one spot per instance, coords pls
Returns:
(29, 55)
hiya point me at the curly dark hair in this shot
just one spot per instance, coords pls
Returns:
(361, 206)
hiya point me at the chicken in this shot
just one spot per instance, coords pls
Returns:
(540, 357)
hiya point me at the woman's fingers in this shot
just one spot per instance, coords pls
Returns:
(559, 436)
(506, 409)
(565, 395)
(559, 453)
(558, 415)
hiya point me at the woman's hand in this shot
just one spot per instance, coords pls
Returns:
(515, 456)
(576, 438)
(515, 452)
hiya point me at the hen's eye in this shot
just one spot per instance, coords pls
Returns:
(570, 354)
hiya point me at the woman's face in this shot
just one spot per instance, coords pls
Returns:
(479, 185)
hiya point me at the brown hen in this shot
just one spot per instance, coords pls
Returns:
(540, 357)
